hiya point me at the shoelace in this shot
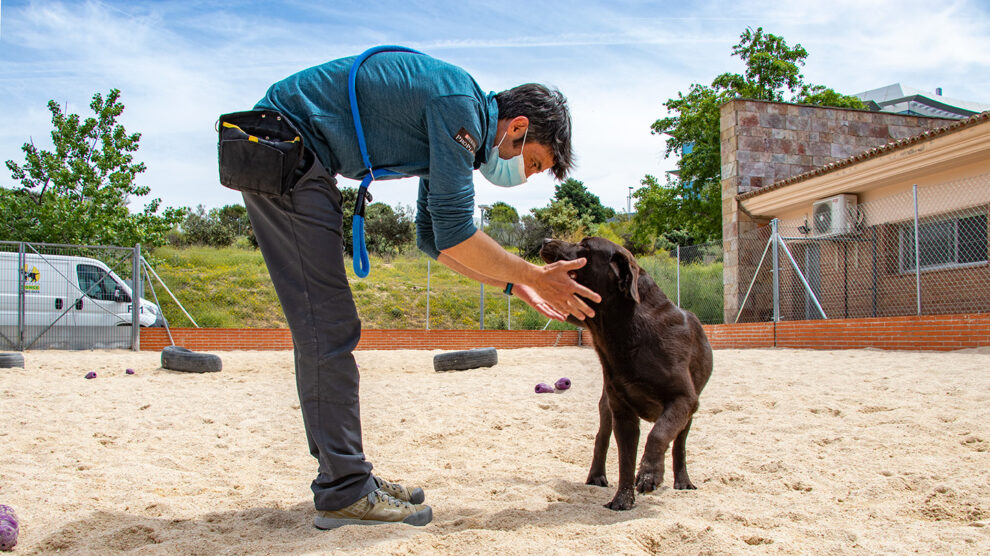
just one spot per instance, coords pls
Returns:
(388, 499)
(393, 487)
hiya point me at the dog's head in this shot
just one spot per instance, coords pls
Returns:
(611, 270)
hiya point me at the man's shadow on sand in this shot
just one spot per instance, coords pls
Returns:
(272, 529)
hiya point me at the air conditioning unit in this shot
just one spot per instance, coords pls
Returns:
(834, 215)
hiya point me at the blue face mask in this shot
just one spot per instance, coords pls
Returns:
(505, 172)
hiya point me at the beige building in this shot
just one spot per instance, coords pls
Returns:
(841, 185)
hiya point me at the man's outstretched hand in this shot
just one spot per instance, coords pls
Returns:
(524, 292)
(563, 294)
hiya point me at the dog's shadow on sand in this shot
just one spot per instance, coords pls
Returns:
(272, 529)
(571, 502)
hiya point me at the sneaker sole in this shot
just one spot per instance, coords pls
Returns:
(419, 519)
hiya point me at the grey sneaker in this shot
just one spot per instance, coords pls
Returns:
(395, 490)
(376, 508)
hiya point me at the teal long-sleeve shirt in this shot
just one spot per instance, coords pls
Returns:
(421, 116)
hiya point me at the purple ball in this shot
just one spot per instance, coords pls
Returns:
(543, 388)
(129, 371)
(8, 528)
(91, 374)
(562, 383)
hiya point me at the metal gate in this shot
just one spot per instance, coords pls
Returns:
(56, 296)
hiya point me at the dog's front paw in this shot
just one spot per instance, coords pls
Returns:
(623, 500)
(682, 482)
(648, 480)
(597, 480)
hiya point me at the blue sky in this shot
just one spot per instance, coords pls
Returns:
(180, 64)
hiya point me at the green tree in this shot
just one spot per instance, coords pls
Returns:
(562, 220)
(388, 231)
(586, 202)
(235, 218)
(502, 224)
(502, 212)
(79, 192)
(657, 217)
(692, 202)
(214, 228)
(531, 235)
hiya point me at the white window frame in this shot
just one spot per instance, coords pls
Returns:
(905, 233)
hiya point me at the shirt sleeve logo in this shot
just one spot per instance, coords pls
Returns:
(465, 140)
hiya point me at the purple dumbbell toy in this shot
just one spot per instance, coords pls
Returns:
(543, 388)
(8, 528)
(562, 383)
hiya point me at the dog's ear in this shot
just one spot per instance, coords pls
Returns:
(627, 272)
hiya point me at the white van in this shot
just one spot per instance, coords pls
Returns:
(68, 291)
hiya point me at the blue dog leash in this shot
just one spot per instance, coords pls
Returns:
(362, 265)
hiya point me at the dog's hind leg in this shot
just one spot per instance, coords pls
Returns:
(596, 476)
(675, 417)
(681, 480)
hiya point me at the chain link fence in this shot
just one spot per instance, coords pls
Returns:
(71, 297)
(914, 252)
(691, 277)
(917, 252)
(906, 253)
(417, 292)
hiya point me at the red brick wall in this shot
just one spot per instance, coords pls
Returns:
(935, 332)
(740, 336)
(208, 339)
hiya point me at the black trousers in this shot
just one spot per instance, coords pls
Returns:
(300, 237)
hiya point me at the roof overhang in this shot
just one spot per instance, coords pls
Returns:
(884, 166)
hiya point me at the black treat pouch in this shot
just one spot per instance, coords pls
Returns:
(259, 152)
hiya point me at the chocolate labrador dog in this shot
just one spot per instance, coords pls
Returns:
(655, 360)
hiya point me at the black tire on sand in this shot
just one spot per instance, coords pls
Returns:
(10, 360)
(181, 359)
(463, 360)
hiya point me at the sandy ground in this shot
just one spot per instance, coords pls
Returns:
(842, 452)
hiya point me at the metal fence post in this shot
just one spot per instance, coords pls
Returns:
(136, 288)
(678, 276)
(917, 253)
(481, 317)
(775, 237)
(21, 279)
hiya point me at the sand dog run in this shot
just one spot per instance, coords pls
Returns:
(838, 452)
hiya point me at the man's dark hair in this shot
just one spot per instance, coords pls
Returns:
(549, 120)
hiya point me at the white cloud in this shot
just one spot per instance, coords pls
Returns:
(179, 65)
